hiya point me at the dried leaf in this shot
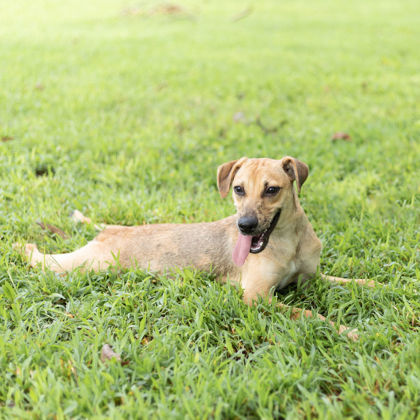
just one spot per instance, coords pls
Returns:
(169, 9)
(52, 229)
(107, 354)
(341, 136)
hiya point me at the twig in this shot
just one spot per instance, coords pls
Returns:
(269, 130)
(243, 14)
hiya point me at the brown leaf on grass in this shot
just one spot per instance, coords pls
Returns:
(6, 138)
(339, 135)
(52, 229)
(107, 354)
(169, 9)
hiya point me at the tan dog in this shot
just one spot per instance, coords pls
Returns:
(268, 244)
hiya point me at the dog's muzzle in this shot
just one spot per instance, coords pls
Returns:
(260, 241)
(247, 224)
(247, 243)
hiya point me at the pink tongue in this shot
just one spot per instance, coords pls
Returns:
(241, 250)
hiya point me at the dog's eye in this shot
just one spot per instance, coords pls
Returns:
(239, 190)
(272, 190)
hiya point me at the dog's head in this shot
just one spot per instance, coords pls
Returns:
(261, 189)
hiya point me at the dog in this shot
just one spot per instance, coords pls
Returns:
(268, 244)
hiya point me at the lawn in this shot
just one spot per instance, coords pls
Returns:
(124, 110)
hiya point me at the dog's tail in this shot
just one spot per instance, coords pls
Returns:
(362, 282)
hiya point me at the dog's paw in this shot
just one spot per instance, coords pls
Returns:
(25, 249)
(31, 249)
(79, 217)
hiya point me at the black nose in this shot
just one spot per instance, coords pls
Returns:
(247, 224)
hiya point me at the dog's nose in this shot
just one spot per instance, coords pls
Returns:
(247, 224)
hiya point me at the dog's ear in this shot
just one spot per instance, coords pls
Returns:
(226, 173)
(295, 170)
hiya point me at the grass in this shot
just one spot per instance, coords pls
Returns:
(126, 116)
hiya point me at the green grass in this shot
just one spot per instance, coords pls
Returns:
(128, 116)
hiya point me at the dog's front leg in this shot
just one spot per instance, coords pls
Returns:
(255, 286)
(260, 276)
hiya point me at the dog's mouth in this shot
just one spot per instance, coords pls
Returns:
(253, 244)
(258, 243)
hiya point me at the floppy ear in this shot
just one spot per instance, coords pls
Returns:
(295, 170)
(226, 173)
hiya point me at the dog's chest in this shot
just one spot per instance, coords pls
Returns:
(287, 274)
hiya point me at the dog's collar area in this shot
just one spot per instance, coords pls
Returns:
(259, 242)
